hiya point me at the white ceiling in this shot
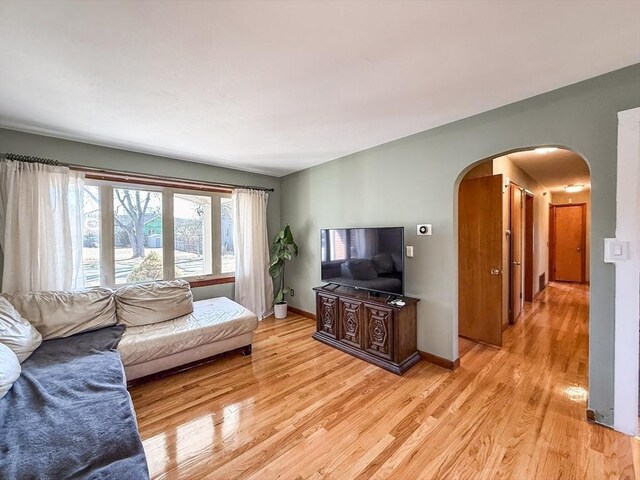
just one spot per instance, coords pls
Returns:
(554, 170)
(279, 86)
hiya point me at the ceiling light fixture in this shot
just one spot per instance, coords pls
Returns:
(543, 150)
(574, 188)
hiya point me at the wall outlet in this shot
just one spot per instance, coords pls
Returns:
(409, 251)
(424, 229)
(291, 292)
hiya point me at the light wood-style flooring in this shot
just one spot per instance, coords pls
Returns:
(300, 409)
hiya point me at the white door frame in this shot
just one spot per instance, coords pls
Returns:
(627, 286)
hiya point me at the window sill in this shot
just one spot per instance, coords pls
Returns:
(211, 281)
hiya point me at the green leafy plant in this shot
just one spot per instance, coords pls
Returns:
(283, 248)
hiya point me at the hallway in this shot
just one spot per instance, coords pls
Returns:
(561, 309)
(300, 409)
(547, 356)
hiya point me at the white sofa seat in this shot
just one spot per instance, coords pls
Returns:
(148, 349)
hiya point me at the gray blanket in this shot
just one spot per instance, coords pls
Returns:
(69, 415)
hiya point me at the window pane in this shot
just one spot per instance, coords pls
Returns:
(192, 235)
(338, 244)
(228, 264)
(138, 235)
(91, 236)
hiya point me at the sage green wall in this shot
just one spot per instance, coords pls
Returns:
(414, 180)
(115, 159)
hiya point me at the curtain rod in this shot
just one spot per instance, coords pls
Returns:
(56, 163)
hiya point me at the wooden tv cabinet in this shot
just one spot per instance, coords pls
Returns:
(367, 327)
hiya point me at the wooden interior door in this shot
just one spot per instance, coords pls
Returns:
(568, 242)
(480, 232)
(528, 248)
(516, 244)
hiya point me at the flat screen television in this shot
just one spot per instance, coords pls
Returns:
(365, 258)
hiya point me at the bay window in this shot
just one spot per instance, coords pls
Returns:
(139, 232)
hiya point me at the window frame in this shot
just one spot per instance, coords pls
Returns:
(107, 229)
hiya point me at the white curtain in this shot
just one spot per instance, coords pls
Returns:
(365, 241)
(41, 209)
(254, 288)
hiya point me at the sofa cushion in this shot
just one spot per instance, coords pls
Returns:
(10, 369)
(383, 263)
(16, 332)
(212, 320)
(362, 269)
(60, 314)
(153, 302)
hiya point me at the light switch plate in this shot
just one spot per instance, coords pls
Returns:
(409, 251)
(615, 250)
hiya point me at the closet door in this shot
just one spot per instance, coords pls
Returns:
(516, 257)
(480, 239)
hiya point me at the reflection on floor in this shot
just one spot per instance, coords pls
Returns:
(300, 409)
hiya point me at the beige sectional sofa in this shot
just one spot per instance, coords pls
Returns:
(67, 357)
(214, 326)
(165, 328)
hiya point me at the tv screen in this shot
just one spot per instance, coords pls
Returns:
(367, 258)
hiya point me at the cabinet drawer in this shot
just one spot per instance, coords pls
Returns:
(350, 326)
(378, 331)
(327, 313)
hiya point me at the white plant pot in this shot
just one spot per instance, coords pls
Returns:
(280, 310)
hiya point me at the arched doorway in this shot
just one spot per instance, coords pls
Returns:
(523, 221)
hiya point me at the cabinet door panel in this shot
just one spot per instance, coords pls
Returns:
(350, 328)
(378, 331)
(327, 312)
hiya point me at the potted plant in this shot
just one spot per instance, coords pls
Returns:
(283, 248)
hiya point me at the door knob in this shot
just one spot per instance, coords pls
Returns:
(495, 271)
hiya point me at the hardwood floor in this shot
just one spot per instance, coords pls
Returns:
(300, 409)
